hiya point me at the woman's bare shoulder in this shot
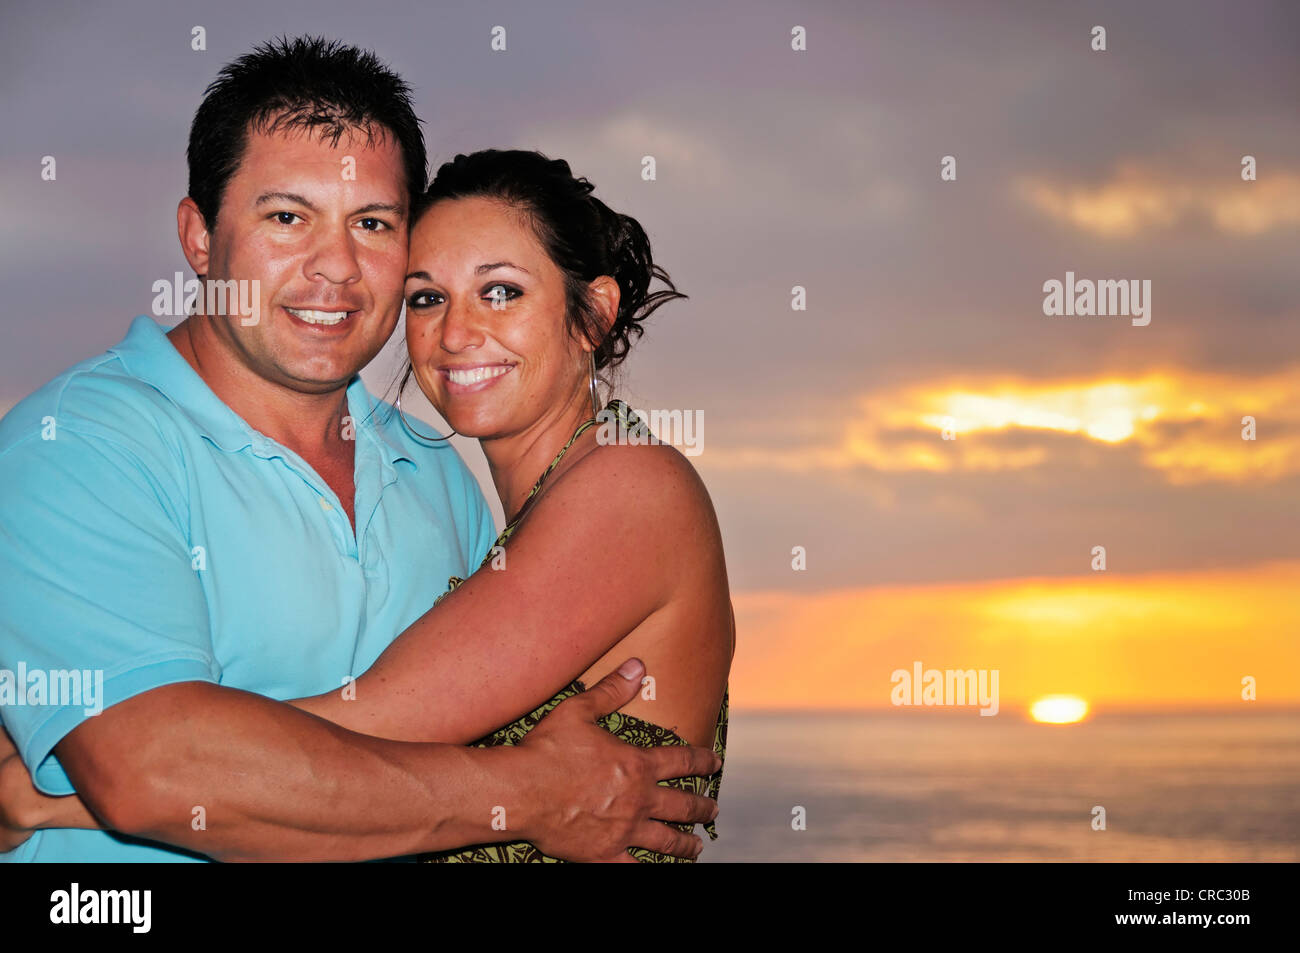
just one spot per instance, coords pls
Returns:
(656, 479)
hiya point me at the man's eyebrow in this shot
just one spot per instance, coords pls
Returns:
(297, 199)
(397, 210)
(284, 197)
(483, 269)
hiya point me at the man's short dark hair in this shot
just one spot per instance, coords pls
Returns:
(305, 83)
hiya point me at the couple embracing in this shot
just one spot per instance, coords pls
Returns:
(314, 643)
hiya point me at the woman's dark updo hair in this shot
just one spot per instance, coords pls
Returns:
(581, 234)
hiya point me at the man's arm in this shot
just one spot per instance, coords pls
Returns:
(275, 783)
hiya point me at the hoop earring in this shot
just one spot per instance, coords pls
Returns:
(595, 400)
(412, 431)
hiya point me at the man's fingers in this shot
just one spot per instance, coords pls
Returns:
(613, 691)
(663, 839)
(683, 807)
(678, 761)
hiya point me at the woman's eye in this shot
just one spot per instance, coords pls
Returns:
(500, 294)
(424, 299)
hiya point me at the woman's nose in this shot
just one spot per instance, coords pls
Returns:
(460, 327)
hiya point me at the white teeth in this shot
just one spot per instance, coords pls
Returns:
(475, 374)
(318, 317)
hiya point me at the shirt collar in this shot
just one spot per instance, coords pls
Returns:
(380, 420)
(148, 354)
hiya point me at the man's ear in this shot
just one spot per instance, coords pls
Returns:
(604, 295)
(193, 232)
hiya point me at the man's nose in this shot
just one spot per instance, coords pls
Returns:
(333, 257)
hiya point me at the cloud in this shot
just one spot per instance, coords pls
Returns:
(1140, 198)
(732, 166)
(1186, 426)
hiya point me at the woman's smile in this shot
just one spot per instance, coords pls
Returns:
(472, 378)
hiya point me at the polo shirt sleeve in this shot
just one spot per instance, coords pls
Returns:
(485, 532)
(474, 523)
(96, 577)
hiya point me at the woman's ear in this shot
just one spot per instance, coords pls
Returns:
(604, 295)
(193, 232)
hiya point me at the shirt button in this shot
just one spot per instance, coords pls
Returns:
(325, 504)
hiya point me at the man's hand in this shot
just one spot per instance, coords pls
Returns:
(593, 796)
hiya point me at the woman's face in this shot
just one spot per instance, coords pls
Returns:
(485, 319)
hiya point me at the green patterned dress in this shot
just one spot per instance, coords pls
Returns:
(635, 731)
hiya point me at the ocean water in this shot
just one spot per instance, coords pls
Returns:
(943, 785)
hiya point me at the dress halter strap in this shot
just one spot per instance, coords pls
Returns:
(615, 410)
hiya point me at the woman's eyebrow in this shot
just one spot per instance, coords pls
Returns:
(483, 269)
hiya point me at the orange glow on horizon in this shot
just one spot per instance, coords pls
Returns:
(1151, 640)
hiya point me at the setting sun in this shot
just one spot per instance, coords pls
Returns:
(1059, 709)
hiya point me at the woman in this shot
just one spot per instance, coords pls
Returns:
(521, 286)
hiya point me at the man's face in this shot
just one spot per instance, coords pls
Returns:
(323, 229)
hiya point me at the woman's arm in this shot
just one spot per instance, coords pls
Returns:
(600, 552)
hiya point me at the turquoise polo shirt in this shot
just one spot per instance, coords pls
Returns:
(149, 536)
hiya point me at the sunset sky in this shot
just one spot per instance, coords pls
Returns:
(824, 428)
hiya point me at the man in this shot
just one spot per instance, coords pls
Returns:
(198, 522)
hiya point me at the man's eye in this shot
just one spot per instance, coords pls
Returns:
(373, 224)
(424, 299)
(285, 218)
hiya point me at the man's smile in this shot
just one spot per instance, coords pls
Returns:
(320, 318)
